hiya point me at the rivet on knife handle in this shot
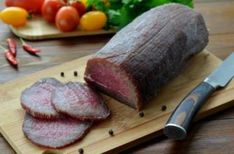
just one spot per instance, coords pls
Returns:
(179, 122)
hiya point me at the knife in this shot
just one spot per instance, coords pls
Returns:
(181, 118)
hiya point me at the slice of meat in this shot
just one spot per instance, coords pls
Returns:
(54, 133)
(36, 100)
(147, 53)
(79, 101)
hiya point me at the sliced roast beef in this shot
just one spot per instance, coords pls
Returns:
(147, 53)
(79, 101)
(54, 133)
(36, 100)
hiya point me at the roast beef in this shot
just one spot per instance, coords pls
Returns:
(79, 101)
(36, 99)
(54, 133)
(147, 53)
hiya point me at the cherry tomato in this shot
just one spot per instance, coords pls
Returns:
(32, 6)
(79, 6)
(14, 16)
(50, 9)
(67, 19)
(93, 20)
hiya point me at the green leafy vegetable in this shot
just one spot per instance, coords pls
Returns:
(122, 12)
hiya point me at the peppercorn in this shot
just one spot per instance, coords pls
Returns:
(81, 151)
(62, 74)
(111, 132)
(163, 107)
(141, 114)
(75, 73)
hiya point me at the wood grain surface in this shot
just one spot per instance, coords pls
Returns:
(212, 135)
(130, 129)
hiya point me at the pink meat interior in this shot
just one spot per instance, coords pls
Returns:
(113, 81)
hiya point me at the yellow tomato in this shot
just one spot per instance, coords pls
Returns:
(84, 2)
(93, 20)
(14, 16)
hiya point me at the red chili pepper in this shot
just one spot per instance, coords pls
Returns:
(10, 57)
(12, 46)
(28, 48)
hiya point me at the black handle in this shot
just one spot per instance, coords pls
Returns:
(179, 121)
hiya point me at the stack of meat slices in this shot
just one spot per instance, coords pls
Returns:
(59, 114)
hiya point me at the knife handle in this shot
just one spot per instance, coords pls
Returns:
(179, 121)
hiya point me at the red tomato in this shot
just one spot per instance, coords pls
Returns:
(50, 8)
(33, 6)
(79, 6)
(67, 19)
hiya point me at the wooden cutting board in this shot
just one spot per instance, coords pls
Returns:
(38, 29)
(129, 128)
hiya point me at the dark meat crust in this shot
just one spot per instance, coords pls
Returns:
(155, 46)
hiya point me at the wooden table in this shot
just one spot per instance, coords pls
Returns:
(212, 135)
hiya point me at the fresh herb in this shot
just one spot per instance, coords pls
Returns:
(122, 12)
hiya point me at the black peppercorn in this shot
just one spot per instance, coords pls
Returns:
(81, 151)
(141, 114)
(163, 107)
(111, 132)
(75, 73)
(62, 74)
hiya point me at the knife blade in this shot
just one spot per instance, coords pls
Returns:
(181, 118)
